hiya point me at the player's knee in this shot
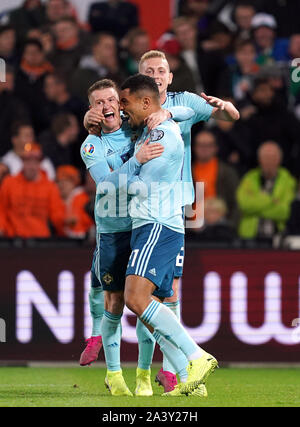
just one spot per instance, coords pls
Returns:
(131, 302)
(114, 302)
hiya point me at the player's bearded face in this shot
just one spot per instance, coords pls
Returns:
(132, 107)
(106, 101)
(158, 68)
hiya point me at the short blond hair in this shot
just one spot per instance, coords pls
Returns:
(152, 54)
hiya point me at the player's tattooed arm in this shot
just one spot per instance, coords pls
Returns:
(223, 110)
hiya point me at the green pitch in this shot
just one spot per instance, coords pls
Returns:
(73, 387)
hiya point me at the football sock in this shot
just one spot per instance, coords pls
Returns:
(146, 345)
(96, 299)
(111, 338)
(166, 324)
(175, 308)
(177, 358)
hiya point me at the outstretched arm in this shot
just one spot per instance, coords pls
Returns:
(223, 110)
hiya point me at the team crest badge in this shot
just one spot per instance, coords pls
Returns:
(107, 278)
(88, 149)
(156, 135)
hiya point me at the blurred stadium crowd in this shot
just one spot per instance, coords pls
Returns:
(243, 51)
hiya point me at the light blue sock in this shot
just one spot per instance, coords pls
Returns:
(96, 300)
(175, 308)
(111, 338)
(177, 358)
(166, 324)
(146, 345)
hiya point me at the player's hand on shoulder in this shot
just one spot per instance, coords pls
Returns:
(149, 151)
(155, 119)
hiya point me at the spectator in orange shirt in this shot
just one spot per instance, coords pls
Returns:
(77, 222)
(29, 201)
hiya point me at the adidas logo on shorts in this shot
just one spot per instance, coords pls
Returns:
(152, 271)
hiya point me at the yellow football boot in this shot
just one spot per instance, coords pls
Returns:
(198, 372)
(115, 383)
(143, 383)
(199, 391)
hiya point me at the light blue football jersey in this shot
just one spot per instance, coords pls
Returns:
(202, 112)
(106, 158)
(156, 189)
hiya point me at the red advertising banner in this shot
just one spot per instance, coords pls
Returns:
(242, 306)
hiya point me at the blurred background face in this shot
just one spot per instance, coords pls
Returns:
(33, 55)
(294, 48)
(243, 17)
(66, 186)
(264, 37)
(7, 42)
(139, 45)
(205, 147)
(25, 135)
(31, 168)
(56, 9)
(263, 94)
(51, 87)
(222, 39)
(65, 31)
(186, 35)
(32, 4)
(269, 158)
(246, 54)
(198, 7)
(105, 51)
